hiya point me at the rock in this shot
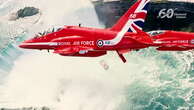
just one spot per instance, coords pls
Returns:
(27, 11)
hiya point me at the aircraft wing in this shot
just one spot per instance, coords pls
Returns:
(144, 39)
(72, 50)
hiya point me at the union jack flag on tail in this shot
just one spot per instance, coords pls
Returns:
(133, 20)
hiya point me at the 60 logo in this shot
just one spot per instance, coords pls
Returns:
(166, 13)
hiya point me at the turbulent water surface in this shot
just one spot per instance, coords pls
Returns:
(150, 80)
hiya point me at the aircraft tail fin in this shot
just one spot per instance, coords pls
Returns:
(134, 18)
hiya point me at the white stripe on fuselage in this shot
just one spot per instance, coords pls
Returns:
(41, 43)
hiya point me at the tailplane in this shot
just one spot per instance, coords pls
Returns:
(145, 38)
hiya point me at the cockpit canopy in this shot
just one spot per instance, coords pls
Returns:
(154, 33)
(51, 30)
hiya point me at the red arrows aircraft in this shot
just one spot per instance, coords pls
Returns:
(172, 40)
(124, 36)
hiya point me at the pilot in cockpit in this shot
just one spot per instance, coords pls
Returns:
(48, 31)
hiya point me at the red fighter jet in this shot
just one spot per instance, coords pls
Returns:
(166, 40)
(126, 35)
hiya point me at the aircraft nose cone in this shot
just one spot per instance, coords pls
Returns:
(22, 45)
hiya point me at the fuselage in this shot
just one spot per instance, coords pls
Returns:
(81, 36)
(173, 40)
